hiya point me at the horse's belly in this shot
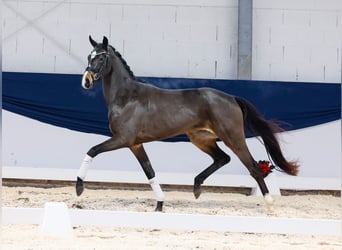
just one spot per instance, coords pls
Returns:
(156, 134)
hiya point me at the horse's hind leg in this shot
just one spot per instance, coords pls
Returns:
(139, 152)
(206, 141)
(241, 150)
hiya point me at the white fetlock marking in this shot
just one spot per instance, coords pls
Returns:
(156, 189)
(269, 202)
(82, 172)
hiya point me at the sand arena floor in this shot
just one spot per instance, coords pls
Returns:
(324, 205)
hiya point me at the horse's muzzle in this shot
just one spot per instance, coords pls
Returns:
(87, 80)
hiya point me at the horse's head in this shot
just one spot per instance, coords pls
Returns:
(98, 63)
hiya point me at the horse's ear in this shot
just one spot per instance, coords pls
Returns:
(92, 42)
(105, 42)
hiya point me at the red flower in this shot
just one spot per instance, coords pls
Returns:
(265, 167)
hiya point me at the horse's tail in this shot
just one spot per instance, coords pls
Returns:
(259, 126)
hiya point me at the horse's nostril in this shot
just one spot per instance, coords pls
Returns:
(87, 83)
(87, 80)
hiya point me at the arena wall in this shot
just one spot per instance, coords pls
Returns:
(292, 41)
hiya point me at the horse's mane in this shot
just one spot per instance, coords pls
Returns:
(124, 63)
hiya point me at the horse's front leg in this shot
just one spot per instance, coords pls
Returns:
(109, 145)
(139, 152)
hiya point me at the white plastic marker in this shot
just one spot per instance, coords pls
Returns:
(56, 220)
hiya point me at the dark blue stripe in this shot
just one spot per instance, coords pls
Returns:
(59, 99)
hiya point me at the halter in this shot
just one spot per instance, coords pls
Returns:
(90, 75)
(92, 55)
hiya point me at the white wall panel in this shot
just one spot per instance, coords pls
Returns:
(162, 14)
(293, 4)
(330, 71)
(332, 5)
(313, 73)
(265, 54)
(303, 32)
(298, 18)
(171, 67)
(324, 19)
(107, 13)
(308, 36)
(82, 12)
(202, 68)
(283, 35)
(226, 68)
(313, 38)
(193, 15)
(144, 24)
(135, 14)
(309, 32)
(227, 33)
(203, 33)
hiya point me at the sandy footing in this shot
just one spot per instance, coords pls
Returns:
(308, 205)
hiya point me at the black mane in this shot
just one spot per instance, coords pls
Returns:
(130, 72)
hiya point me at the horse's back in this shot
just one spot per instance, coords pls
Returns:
(217, 98)
(204, 101)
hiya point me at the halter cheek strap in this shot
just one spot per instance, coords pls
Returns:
(92, 56)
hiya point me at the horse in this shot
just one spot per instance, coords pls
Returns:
(139, 112)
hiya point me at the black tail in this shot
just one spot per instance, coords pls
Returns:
(259, 126)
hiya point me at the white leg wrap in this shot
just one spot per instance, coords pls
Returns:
(82, 172)
(156, 189)
(269, 202)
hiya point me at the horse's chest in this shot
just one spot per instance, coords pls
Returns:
(130, 112)
(121, 101)
(117, 113)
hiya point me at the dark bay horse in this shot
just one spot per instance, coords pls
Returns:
(139, 112)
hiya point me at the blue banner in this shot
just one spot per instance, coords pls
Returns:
(59, 99)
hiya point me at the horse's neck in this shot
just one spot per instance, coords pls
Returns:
(115, 80)
(119, 68)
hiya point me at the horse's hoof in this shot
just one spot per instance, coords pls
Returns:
(197, 187)
(197, 191)
(159, 207)
(79, 186)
